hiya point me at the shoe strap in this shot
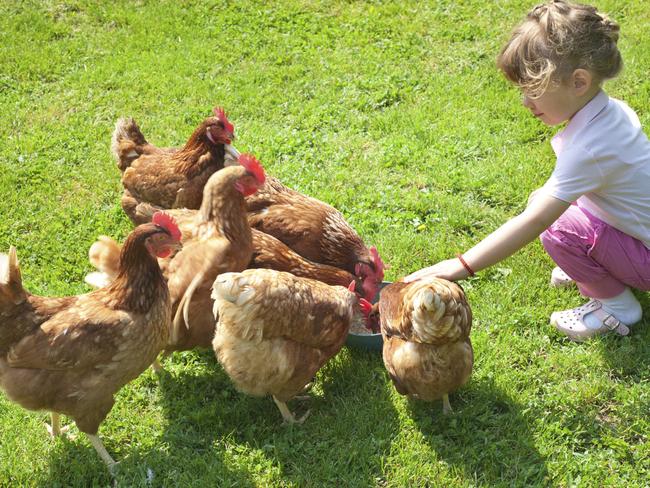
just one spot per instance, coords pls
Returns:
(611, 322)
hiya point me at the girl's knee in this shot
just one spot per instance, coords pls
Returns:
(559, 240)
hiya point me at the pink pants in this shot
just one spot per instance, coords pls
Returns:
(601, 259)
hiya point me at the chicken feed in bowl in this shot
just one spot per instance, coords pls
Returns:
(359, 335)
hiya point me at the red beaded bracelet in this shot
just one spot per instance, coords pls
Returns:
(465, 265)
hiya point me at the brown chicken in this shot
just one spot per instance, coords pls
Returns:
(70, 355)
(425, 326)
(216, 239)
(275, 330)
(268, 252)
(169, 177)
(315, 230)
(271, 253)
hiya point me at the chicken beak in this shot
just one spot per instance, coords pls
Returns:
(232, 155)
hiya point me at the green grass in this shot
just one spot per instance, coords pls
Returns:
(394, 113)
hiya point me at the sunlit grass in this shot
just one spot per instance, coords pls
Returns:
(394, 113)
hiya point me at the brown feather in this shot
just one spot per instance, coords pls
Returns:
(169, 178)
(76, 352)
(275, 330)
(313, 229)
(216, 239)
(425, 327)
(271, 253)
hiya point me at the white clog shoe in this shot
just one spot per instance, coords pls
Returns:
(559, 279)
(571, 322)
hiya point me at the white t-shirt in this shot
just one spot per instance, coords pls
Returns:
(603, 163)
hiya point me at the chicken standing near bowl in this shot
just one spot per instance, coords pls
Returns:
(275, 330)
(425, 326)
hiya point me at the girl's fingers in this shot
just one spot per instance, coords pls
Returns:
(417, 275)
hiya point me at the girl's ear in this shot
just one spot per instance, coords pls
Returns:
(581, 81)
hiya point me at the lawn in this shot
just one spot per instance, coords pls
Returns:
(394, 113)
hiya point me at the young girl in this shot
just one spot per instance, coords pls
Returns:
(593, 212)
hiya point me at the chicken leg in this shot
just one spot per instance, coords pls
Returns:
(157, 367)
(446, 406)
(55, 429)
(289, 417)
(103, 453)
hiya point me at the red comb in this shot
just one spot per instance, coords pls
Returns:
(221, 115)
(253, 166)
(167, 222)
(365, 305)
(379, 264)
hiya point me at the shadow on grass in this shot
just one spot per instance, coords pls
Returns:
(216, 436)
(187, 454)
(487, 436)
(629, 357)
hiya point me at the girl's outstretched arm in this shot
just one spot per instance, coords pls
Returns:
(542, 211)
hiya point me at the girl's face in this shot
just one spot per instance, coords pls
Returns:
(558, 104)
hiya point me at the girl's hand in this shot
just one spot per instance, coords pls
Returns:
(449, 269)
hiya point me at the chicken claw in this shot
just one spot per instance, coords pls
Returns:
(55, 430)
(289, 417)
(157, 367)
(307, 388)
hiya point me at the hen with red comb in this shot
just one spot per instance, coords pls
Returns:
(253, 166)
(167, 222)
(315, 230)
(171, 177)
(71, 355)
(220, 114)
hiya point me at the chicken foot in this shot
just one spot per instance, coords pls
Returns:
(287, 415)
(157, 367)
(446, 406)
(307, 388)
(103, 453)
(55, 430)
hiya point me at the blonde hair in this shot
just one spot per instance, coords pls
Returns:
(555, 39)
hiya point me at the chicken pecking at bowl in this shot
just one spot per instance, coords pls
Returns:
(359, 335)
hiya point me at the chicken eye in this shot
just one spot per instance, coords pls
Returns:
(159, 237)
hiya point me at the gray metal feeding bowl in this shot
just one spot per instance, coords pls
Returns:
(371, 342)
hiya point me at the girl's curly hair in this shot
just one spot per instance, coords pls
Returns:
(557, 38)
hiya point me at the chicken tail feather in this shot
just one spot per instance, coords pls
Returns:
(104, 256)
(231, 287)
(11, 283)
(145, 211)
(97, 280)
(183, 310)
(127, 142)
